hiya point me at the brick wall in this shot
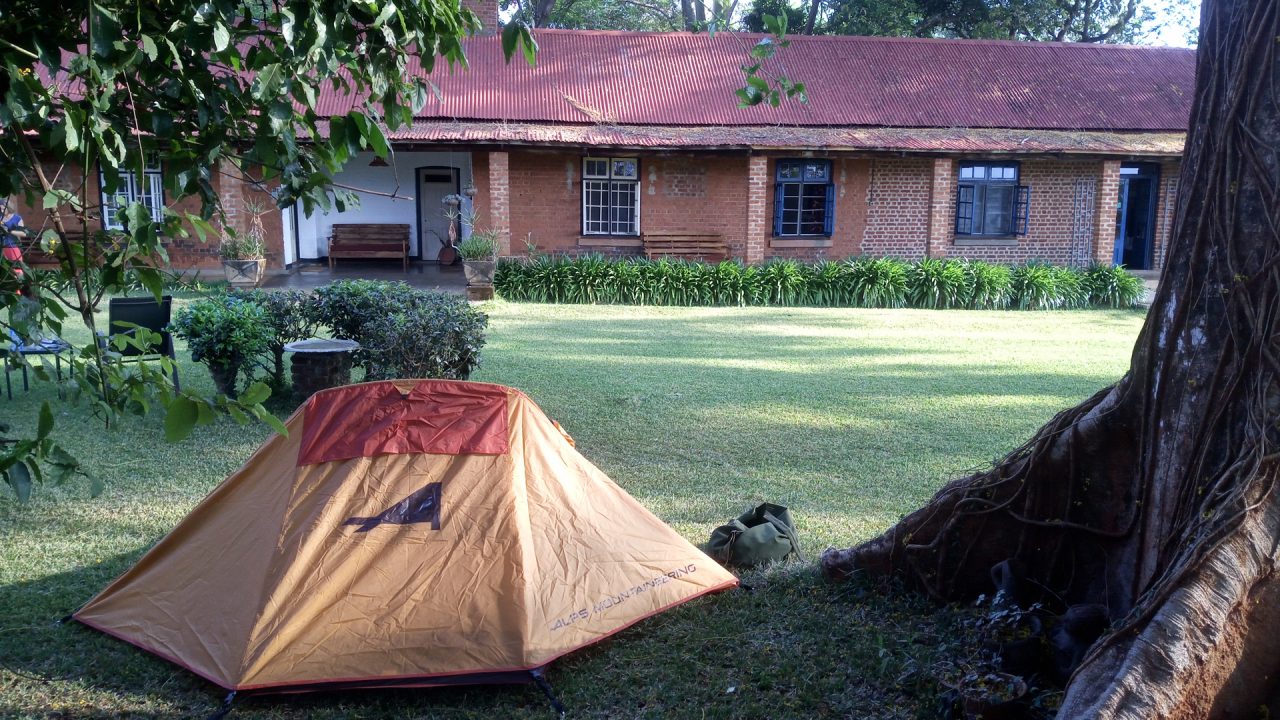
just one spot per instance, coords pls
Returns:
(759, 209)
(942, 210)
(500, 199)
(898, 208)
(705, 194)
(695, 193)
(546, 201)
(1104, 224)
(1167, 202)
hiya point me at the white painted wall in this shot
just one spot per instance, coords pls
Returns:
(398, 180)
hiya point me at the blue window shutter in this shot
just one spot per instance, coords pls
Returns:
(964, 210)
(777, 209)
(829, 216)
(1022, 210)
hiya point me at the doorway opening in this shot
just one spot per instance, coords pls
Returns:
(1136, 215)
(433, 184)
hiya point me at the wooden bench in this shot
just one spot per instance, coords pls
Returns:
(369, 240)
(687, 245)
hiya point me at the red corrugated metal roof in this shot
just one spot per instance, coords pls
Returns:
(923, 140)
(689, 79)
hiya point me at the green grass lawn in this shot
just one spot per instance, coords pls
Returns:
(850, 417)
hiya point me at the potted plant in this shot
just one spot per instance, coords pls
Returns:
(227, 334)
(479, 257)
(244, 256)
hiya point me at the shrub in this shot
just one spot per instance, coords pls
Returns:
(878, 282)
(481, 245)
(349, 307)
(1068, 286)
(990, 285)
(1034, 287)
(226, 334)
(432, 335)
(1112, 286)
(937, 283)
(403, 332)
(857, 282)
(291, 315)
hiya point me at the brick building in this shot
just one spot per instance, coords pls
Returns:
(990, 150)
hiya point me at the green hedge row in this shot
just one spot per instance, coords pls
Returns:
(856, 282)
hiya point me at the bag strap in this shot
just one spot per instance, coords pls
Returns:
(789, 532)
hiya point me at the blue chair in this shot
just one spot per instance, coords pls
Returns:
(25, 316)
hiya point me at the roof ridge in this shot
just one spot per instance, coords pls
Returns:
(864, 38)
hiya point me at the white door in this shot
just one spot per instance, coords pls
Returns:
(434, 183)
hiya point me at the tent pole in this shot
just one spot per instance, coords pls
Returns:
(545, 687)
(226, 707)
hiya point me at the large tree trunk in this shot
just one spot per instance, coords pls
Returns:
(1155, 497)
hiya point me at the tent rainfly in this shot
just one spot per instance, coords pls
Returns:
(404, 534)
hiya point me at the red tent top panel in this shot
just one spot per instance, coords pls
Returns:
(391, 418)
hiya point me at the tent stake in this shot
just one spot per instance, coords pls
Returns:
(546, 690)
(226, 707)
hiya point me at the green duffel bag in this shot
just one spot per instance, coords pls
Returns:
(765, 534)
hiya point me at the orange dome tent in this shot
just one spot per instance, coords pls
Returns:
(404, 534)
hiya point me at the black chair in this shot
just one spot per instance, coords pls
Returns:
(146, 313)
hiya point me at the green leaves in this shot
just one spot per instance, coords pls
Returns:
(45, 425)
(760, 89)
(856, 282)
(25, 463)
(19, 478)
(266, 85)
(180, 419)
(187, 412)
(517, 35)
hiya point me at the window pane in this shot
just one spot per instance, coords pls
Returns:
(153, 195)
(997, 211)
(818, 171)
(624, 196)
(791, 196)
(593, 167)
(789, 170)
(976, 172)
(815, 194)
(595, 206)
(624, 168)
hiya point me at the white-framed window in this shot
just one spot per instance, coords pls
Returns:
(147, 189)
(611, 196)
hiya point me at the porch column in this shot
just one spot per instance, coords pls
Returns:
(1104, 222)
(942, 197)
(500, 199)
(757, 208)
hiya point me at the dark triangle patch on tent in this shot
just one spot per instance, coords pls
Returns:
(427, 559)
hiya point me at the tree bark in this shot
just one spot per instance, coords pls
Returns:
(542, 12)
(686, 13)
(813, 16)
(1156, 496)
